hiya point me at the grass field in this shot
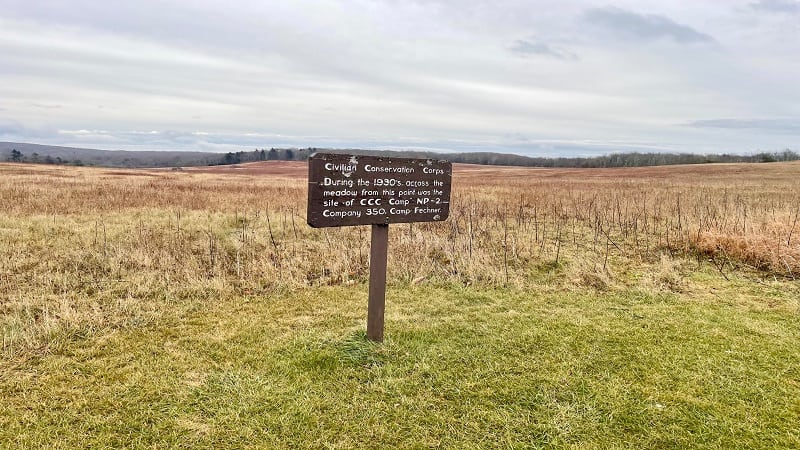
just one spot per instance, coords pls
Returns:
(623, 308)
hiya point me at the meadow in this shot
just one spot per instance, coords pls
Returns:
(571, 308)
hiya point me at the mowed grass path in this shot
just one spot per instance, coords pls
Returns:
(461, 368)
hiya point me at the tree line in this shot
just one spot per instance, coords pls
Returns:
(18, 156)
(630, 159)
(273, 154)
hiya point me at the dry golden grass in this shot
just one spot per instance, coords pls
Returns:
(729, 213)
(85, 248)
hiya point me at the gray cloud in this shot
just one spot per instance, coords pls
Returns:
(777, 6)
(44, 106)
(436, 74)
(540, 48)
(10, 128)
(14, 130)
(647, 27)
(774, 125)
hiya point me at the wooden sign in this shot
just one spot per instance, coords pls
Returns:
(363, 190)
(367, 190)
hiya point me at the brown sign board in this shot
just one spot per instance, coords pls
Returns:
(348, 190)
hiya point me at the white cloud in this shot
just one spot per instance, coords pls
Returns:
(521, 76)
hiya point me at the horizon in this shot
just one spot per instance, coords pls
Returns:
(10, 146)
(572, 79)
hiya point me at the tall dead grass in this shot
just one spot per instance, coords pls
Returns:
(85, 248)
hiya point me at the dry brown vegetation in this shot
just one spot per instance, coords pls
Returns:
(85, 248)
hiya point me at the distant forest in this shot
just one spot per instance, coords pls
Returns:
(46, 154)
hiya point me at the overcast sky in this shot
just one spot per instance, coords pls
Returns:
(530, 77)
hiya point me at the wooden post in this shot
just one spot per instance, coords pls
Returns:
(377, 281)
(338, 197)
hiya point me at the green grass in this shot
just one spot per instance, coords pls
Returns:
(460, 368)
